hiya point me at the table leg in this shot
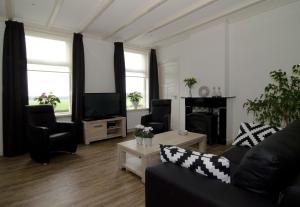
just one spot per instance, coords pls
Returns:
(202, 144)
(121, 158)
(143, 167)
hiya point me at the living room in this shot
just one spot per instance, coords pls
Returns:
(91, 48)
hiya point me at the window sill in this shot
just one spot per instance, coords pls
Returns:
(141, 109)
(67, 114)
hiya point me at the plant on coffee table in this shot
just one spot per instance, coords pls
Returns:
(138, 134)
(147, 136)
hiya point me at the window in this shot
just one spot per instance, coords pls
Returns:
(136, 64)
(48, 65)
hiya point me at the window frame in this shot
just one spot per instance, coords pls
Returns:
(146, 78)
(68, 41)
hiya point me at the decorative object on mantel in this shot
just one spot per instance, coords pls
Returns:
(214, 92)
(190, 82)
(138, 134)
(203, 91)
(219, 93)
(135, 98)
(47, 99)
(280, 103)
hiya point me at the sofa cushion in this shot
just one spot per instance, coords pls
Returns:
(290, 196)
(212, 166)
(170, 185)
(250, 134)
(268, 167)
(235, 154)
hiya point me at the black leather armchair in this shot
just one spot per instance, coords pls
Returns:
(46, 135)
(160, 116)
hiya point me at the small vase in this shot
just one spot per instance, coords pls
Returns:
(147, 142)
(139, 140)
(190, 92)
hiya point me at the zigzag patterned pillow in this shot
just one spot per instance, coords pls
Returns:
(212, 166)
(250, 134)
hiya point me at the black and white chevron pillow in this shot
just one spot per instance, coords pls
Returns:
(250, 134)
(210, 165)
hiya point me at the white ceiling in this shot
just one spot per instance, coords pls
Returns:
(138, 22)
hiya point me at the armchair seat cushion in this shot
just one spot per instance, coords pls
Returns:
(59, 136)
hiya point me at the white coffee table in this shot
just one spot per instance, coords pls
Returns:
(136, 158)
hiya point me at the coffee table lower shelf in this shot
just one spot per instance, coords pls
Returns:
(133, 164)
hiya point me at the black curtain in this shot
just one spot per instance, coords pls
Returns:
(153, 78)
(14, 89)
(78, 84)
(120, 79)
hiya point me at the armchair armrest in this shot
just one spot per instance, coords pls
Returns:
(167, 119)
(39, 143)
(146, 119)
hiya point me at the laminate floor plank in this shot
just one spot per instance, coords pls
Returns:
(88, 178)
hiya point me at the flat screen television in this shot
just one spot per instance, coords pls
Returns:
(101, 105)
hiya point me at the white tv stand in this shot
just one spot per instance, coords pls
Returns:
(104, 129)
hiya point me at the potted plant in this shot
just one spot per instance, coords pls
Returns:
(138, 134)
(280, 103)
(147, 136)
(135, 98)
(48, 99)
(190, 82)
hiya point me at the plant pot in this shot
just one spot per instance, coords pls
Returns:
(147, 142)
(135, 105)
(139, 140)
(190, 92)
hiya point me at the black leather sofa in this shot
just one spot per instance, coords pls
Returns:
(170, 185)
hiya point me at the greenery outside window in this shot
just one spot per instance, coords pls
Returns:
(49, 66)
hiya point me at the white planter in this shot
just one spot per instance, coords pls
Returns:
(135, 105)
(139, 140)
(147, 142)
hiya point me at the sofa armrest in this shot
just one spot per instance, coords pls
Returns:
(170, 185)
(146, 119)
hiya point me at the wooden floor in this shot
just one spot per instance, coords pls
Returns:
(88, 178)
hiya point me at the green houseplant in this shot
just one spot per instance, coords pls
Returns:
(190, 82)
(280, 103)
(135, 98)
(48, 99)
(138, 133)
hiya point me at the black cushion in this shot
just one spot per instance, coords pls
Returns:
(171, 185)
(41, 115)
(235, 154)
(268, 168)
(159, 109)
(156, 125)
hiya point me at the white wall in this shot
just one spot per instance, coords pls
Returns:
(99, 72)
(99, 66)
(239, 56)
(258, 45)
(2, 27)
(201, 56)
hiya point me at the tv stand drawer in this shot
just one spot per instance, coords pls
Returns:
(104, 129)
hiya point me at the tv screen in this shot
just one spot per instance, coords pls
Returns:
(101, 105)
